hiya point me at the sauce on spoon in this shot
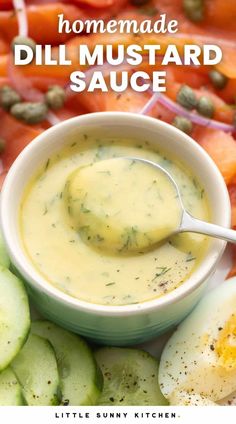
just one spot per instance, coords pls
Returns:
(94, 199)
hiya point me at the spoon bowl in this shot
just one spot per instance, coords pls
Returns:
(189, 223)
(150, 214)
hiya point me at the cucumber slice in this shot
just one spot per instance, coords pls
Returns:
(4, 258)
(10, 389)
(81, 379)
(36, 369)
(14, 316)
(130, 377)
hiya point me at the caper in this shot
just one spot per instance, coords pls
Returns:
(26, 41)
(183, 124)
(55, 97)
(2, 144)
(205, 107)
(186, 97)
(194, 9)
(31, 113)
(218, 79)
(8, 97)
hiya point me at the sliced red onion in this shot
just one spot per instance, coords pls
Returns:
(179, 110)
(150, 104)
(19, 6)
(194, 117)
(23, 85)
(52, 118)
(106, 68)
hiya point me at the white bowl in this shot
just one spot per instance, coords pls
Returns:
(118, 325)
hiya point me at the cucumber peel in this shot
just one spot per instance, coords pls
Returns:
(14, 316)
(4, 257)
(81, 379)
(36, 369)
(10, 389)
(130, 377)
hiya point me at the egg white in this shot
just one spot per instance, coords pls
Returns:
(183, 398)
(191, 361)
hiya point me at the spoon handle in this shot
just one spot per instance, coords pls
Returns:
(194, 225)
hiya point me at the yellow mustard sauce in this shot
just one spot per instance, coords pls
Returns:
(90, 224)
(94, 198)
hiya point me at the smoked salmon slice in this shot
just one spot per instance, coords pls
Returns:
(222, 149)
(17, 135)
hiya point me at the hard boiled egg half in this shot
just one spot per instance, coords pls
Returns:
(198, 364)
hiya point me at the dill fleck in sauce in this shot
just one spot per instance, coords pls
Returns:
(94, 198)
(90, 247)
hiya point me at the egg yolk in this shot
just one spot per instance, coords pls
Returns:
(226, 344)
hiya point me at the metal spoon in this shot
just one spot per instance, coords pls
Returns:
(188, 223)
